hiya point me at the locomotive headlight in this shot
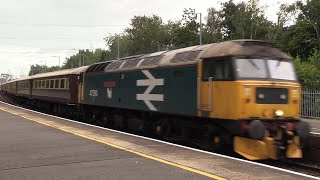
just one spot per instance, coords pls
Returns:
(278, 113)
(247, 91)
(294, 93)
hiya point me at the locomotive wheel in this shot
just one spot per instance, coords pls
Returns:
(104, 120)
(90, 118)
(218, 139)
(119, 122)
(162, 128)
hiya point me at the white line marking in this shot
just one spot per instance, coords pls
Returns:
(150, 97)
(151, 82)
(315, 133)
(176, 145)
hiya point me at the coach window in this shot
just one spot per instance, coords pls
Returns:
(51, 83)
(56, 83)
(47, 84)
(43, 84)
(219, 70)
(62, 81)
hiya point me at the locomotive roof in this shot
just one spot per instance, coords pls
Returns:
(191, 55)
(246, 48)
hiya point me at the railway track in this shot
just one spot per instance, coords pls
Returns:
(309, 165)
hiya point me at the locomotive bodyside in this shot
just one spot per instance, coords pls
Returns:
(158, 90)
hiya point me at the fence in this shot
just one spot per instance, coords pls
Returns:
(310, 103)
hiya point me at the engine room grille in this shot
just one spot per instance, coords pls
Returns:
(271, 96)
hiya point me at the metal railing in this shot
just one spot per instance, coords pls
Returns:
(310, 103)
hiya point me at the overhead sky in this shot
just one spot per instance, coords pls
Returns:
(39, 31)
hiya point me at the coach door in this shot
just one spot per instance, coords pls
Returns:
(80, 88)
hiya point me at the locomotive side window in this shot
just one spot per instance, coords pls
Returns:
(219, 70)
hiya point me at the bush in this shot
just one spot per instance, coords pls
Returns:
(308, 71)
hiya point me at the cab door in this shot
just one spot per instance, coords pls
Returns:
(213, 83)
(205, 86)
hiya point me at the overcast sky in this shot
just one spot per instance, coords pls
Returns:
(33, 31)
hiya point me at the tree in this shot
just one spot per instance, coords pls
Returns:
(297, 40)
(112, 44)
(185, 32)
(244, 21)
(37, 69)
(212, 31)
(310, 12)
(146, 35)
(83, 57)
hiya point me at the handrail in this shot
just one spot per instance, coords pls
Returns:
(198, 94)
(210, 94)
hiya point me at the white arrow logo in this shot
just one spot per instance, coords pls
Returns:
(151, 82)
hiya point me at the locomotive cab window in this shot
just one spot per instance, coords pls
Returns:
(219, 70)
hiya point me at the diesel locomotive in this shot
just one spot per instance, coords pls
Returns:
(242, 94)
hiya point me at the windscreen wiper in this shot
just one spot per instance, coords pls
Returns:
(253, 64)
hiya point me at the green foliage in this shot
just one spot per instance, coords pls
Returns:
(185, 32)
(309, 71)
(296, 32)
(37, 69)
(297, 40)
(146, 35)
(84, 57)
(310, 12)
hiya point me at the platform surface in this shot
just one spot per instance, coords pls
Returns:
(37, 146)
(29, 150)
(315, 125)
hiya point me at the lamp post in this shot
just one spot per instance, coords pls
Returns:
(83, 59)
(57, 57)
(45, 65)
(31, 69)
(118, 46)
(200, 33)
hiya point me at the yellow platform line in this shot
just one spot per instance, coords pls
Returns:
(120, 147)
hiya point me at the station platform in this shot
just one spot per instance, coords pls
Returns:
(39, 146)
(315, 125)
